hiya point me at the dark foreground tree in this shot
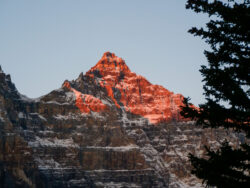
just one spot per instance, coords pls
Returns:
(226, 89)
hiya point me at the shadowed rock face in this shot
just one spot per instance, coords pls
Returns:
(17, 165)
(108, 128)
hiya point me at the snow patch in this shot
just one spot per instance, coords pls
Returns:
(55, 142)
(119, 148)
(97, 115)
(80, 181)
(115, 184)
(70, 96)
(106, 102)
(47, 164)
(39, 115)
(57, 103)
(69, 116)
(21, 115)
(127, 122)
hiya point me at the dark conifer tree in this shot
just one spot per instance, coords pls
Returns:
(226, 88)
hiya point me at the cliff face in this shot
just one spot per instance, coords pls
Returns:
(134, 92)
(17, 165)
(108, 128)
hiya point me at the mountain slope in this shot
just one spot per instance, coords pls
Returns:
(133, 92)
(17, 165)
(107, 128)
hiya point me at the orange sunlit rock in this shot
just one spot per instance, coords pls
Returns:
(137, 95)
(84, 102)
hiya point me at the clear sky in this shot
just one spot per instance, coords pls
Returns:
(44, 42)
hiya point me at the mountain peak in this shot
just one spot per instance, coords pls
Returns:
(133, 92)
(109, 64)
(1, 70)
(111, 56)
(108, 54)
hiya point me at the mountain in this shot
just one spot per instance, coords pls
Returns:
(108, 128)
(132, 92)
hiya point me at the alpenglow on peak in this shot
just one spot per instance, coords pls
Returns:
(134, 93)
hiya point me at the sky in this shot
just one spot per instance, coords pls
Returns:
(43, 43)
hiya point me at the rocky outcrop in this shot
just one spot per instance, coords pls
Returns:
(108, 128)
(86, 103)
(134, 92)
(17, 165)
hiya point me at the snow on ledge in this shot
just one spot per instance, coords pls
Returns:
(119, 148)
(53, 142)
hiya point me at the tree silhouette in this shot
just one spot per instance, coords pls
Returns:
(226, 88)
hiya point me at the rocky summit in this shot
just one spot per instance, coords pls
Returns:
(108, 128)
(133, 92)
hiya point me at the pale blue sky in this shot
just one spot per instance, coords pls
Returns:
(44, 42)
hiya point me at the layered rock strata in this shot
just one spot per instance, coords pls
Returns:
(108, 128)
